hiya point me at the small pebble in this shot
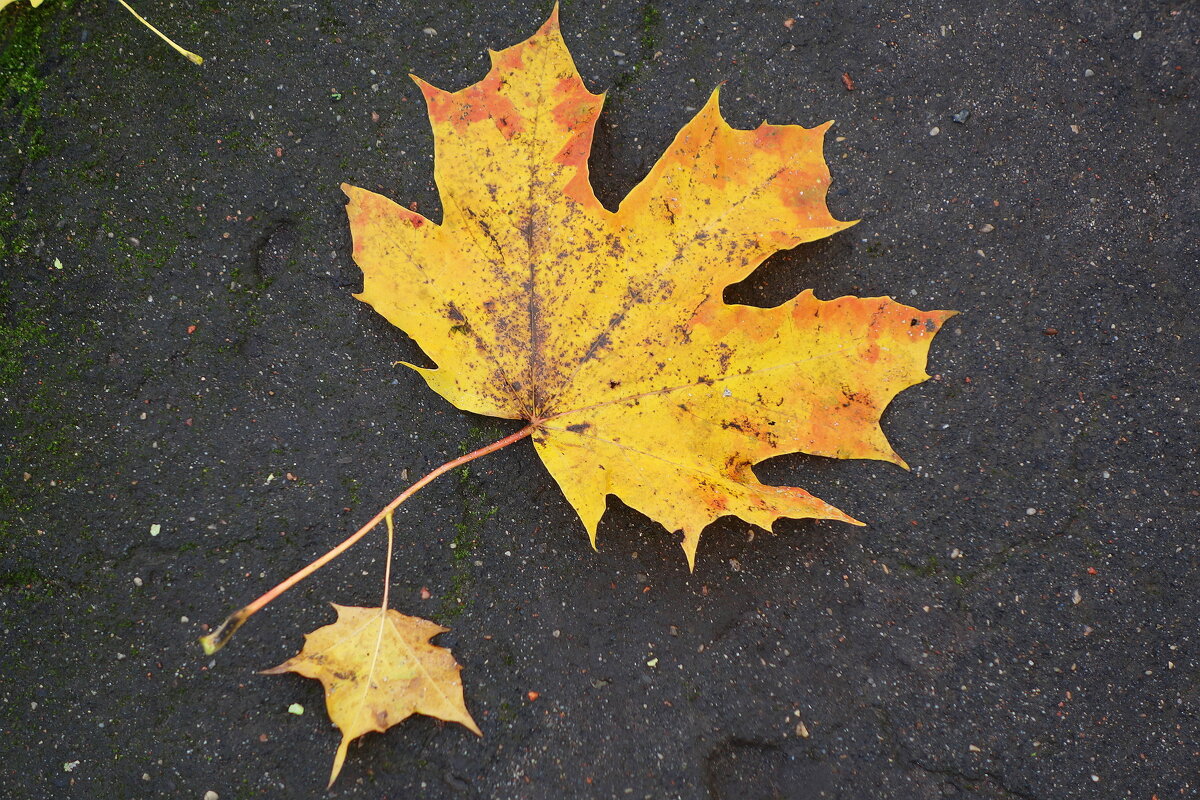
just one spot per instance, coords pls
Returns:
(429, 31)
(296, 708)
(137, 581)
(1136, 35)
(934, 131)
(211, 795)
(961, 116)
(1029, 512)
(802, 730)
(1087, 73)
(987, 227)
(1076, 597)
(155, 529)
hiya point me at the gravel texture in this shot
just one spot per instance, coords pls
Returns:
(194, 406)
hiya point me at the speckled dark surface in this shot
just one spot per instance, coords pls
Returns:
(1018, 620)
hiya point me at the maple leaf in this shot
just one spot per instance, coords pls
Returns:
(606, 330)
(379, 668)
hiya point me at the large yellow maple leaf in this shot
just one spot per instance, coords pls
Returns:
(607, 331)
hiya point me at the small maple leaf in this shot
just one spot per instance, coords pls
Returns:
(378, 669)
(607, 330)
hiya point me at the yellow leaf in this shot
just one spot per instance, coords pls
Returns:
(607, 330)
(378, 669)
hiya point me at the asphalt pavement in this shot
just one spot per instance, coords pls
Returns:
(194, 406)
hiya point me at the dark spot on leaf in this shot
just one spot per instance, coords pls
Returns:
(579, 427)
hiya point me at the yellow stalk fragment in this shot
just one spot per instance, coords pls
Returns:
(188, 54)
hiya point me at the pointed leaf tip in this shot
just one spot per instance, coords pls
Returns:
(551, 24)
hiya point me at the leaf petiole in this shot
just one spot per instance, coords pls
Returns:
(224, 632)
(188, 54)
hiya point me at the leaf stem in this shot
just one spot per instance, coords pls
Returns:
(387, 565)
(188, 54)
(224, 632)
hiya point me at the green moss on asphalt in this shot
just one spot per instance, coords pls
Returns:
(28, 409)
(651, 20)
(476, 511)
(37, 364)
(14, 235)
(20, 335)
(20, 57)
(927, 570)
